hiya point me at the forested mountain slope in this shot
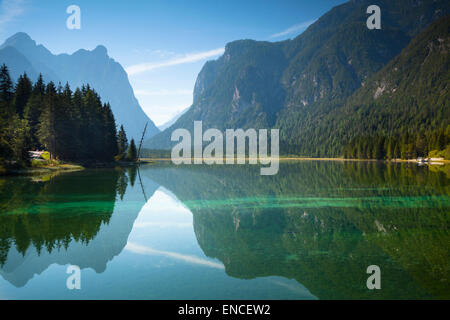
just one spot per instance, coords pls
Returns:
(295, 85)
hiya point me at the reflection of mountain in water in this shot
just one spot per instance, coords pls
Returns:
(320, 223)
(72, 219)
(323, 223)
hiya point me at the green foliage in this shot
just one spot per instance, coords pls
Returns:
(406, 101)
(320, 89)
(22, 93)
(72, 126)
(441, 153)
(322, 222)
(122, 143)
(33, 109)
(407, 146)
(24, 225)
(21, 140)
(6, 88)
(132, 151)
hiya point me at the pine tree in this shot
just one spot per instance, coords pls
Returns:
(21, 140)
(122, 142)
(78, 115)
(93, 124)
(22, 93)
(33, 110)
(64, 128)
(6, 112)
(132, 152)
(111, 144)
(46, 132)
(6, 87)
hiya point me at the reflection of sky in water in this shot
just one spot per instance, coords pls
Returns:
(161, 260)
(160, 220)
(319, 223)
(163, 235)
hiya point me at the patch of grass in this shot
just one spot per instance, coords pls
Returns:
(441, 153)
(38, 163)
(46, 155)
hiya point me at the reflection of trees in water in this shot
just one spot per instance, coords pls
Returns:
(325, 245)
(132, 173)
(49, 215)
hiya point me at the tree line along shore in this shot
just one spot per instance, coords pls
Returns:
(51, 125)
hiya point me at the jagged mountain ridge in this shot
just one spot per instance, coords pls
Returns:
(21, 54)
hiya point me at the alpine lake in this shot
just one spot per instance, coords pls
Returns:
(162, 231)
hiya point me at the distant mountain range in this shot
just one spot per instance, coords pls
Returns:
(302, 86)
(174, 119)
(21, 54)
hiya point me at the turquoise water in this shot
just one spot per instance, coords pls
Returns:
(226, 232)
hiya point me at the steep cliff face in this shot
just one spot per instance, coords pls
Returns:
(292, 84)
(94, 67)
(243, 87)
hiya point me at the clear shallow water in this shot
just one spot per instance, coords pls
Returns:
(200, 232)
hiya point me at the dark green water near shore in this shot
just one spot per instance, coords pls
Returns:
(226, 232)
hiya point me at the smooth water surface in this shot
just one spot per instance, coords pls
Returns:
(226, 232)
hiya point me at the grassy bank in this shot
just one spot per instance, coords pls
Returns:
(42, 168)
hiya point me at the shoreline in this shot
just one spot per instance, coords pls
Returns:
(143, 160)
(66, 167)
(146, 161)
(42, 170)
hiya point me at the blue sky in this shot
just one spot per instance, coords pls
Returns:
(163, 44)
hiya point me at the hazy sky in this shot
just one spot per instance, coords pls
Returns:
(162, 44)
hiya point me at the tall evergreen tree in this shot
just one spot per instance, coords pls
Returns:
(46, 132)
(33, 111)
(111, 143)
(22, 93)
(21, 140)
(122, 142)
(132, 151)
(6, 96)
(6, 85)
(63, 123)
(6, 112)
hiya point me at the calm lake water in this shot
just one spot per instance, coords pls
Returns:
(225, 232)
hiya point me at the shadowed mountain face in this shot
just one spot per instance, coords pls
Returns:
(68, 219)
(21, 54)
(323, 224)
(292, 85)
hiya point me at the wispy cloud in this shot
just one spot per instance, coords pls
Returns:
(294, 29)
(189, 58)
(144, 250)
(9, 10)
